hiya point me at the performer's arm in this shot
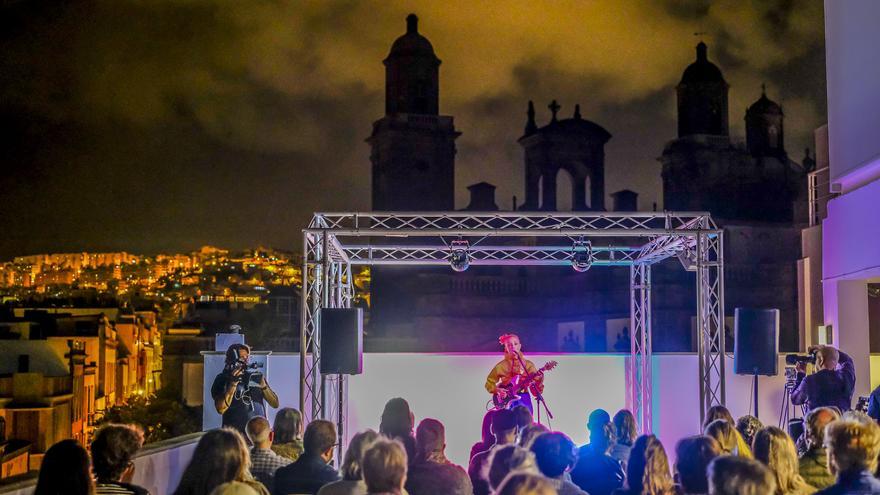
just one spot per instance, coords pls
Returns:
(223, 396)
(492, 379)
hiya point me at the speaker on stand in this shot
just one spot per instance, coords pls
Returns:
(342, 353)
(756, 344)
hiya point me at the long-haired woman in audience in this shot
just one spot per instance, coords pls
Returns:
(647, 472)
(221, 456)
(730, 440)
(508, 459)
(776, 450)
(718, 412)
(397, 423)
(66, 470)
(626, 433)
(352, 482)
(488, 439)
(526, 484)
(288, 430)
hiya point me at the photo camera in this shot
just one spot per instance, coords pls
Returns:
(249, 374)
(792, 359)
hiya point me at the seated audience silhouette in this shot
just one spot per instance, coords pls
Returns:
(264, 461)
(65, 470)
(220, 456)
(555, 456)
(732, 475)
(384, 467)
(311, 471)
(113, 451)
(431, 473)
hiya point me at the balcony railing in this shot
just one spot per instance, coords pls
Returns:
(819, 193)
(158, 467)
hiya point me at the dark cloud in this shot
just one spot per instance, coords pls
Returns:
(166, 125)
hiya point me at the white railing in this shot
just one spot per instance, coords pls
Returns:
(819, 193)
(158, 467)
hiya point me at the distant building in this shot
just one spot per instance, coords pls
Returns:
(753, 190)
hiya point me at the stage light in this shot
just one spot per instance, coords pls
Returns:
(582, 257)
(459, 258)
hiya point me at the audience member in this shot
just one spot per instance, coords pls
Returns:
(596, 428)
(813, 464)
(732, 475)
(647, 472)
(728, 438)
(504, 429)
(718, 412)
(776, 450)
(747, 426)
(853, 447)
(397, 424)
(523, 416)
(693, 455)
(66, 470)
(234, 488)
(113, 451)
(526, 484)
(555, 456)
(625, 434)
(488, 440)
(288, 433)
(528, 434)
(220, 456)
(264, 461)
(352, 482)
(596, 472)
(507, 459)
(384, 467)
(431, 473)
(311, 471)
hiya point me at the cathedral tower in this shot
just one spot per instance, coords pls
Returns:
(413, 147)
(702, 98)
(764, 135)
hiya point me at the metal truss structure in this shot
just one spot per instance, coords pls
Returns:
(334, 242)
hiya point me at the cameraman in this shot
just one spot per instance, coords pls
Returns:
(236, 400)
(831, 385)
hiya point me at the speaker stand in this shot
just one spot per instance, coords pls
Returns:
(755, 387)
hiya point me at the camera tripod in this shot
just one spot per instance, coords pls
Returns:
(785, 411)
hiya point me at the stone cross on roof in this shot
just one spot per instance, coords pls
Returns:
(554, 107)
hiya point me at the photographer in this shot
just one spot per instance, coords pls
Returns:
(831, 385)
(239, 393)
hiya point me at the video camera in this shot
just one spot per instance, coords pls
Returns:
(793, 359)
(249, 375)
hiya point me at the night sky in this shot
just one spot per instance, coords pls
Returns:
(164, 125)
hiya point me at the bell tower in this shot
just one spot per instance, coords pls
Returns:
(413, 147)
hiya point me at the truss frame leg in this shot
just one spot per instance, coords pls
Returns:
(313, 299)
(639, 366)
(710, 319)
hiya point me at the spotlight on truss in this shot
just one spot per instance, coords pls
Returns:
(582, 256)
(459, 258)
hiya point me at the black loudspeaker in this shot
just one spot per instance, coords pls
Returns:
(342, 341)
(756, 342)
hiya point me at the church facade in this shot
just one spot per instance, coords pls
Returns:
(752, 190)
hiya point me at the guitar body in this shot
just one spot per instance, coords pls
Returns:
(520, 384)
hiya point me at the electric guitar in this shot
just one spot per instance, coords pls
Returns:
(518, 384)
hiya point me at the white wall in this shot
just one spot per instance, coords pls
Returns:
(853, 73)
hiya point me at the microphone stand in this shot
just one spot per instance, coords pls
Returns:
(539, 398)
